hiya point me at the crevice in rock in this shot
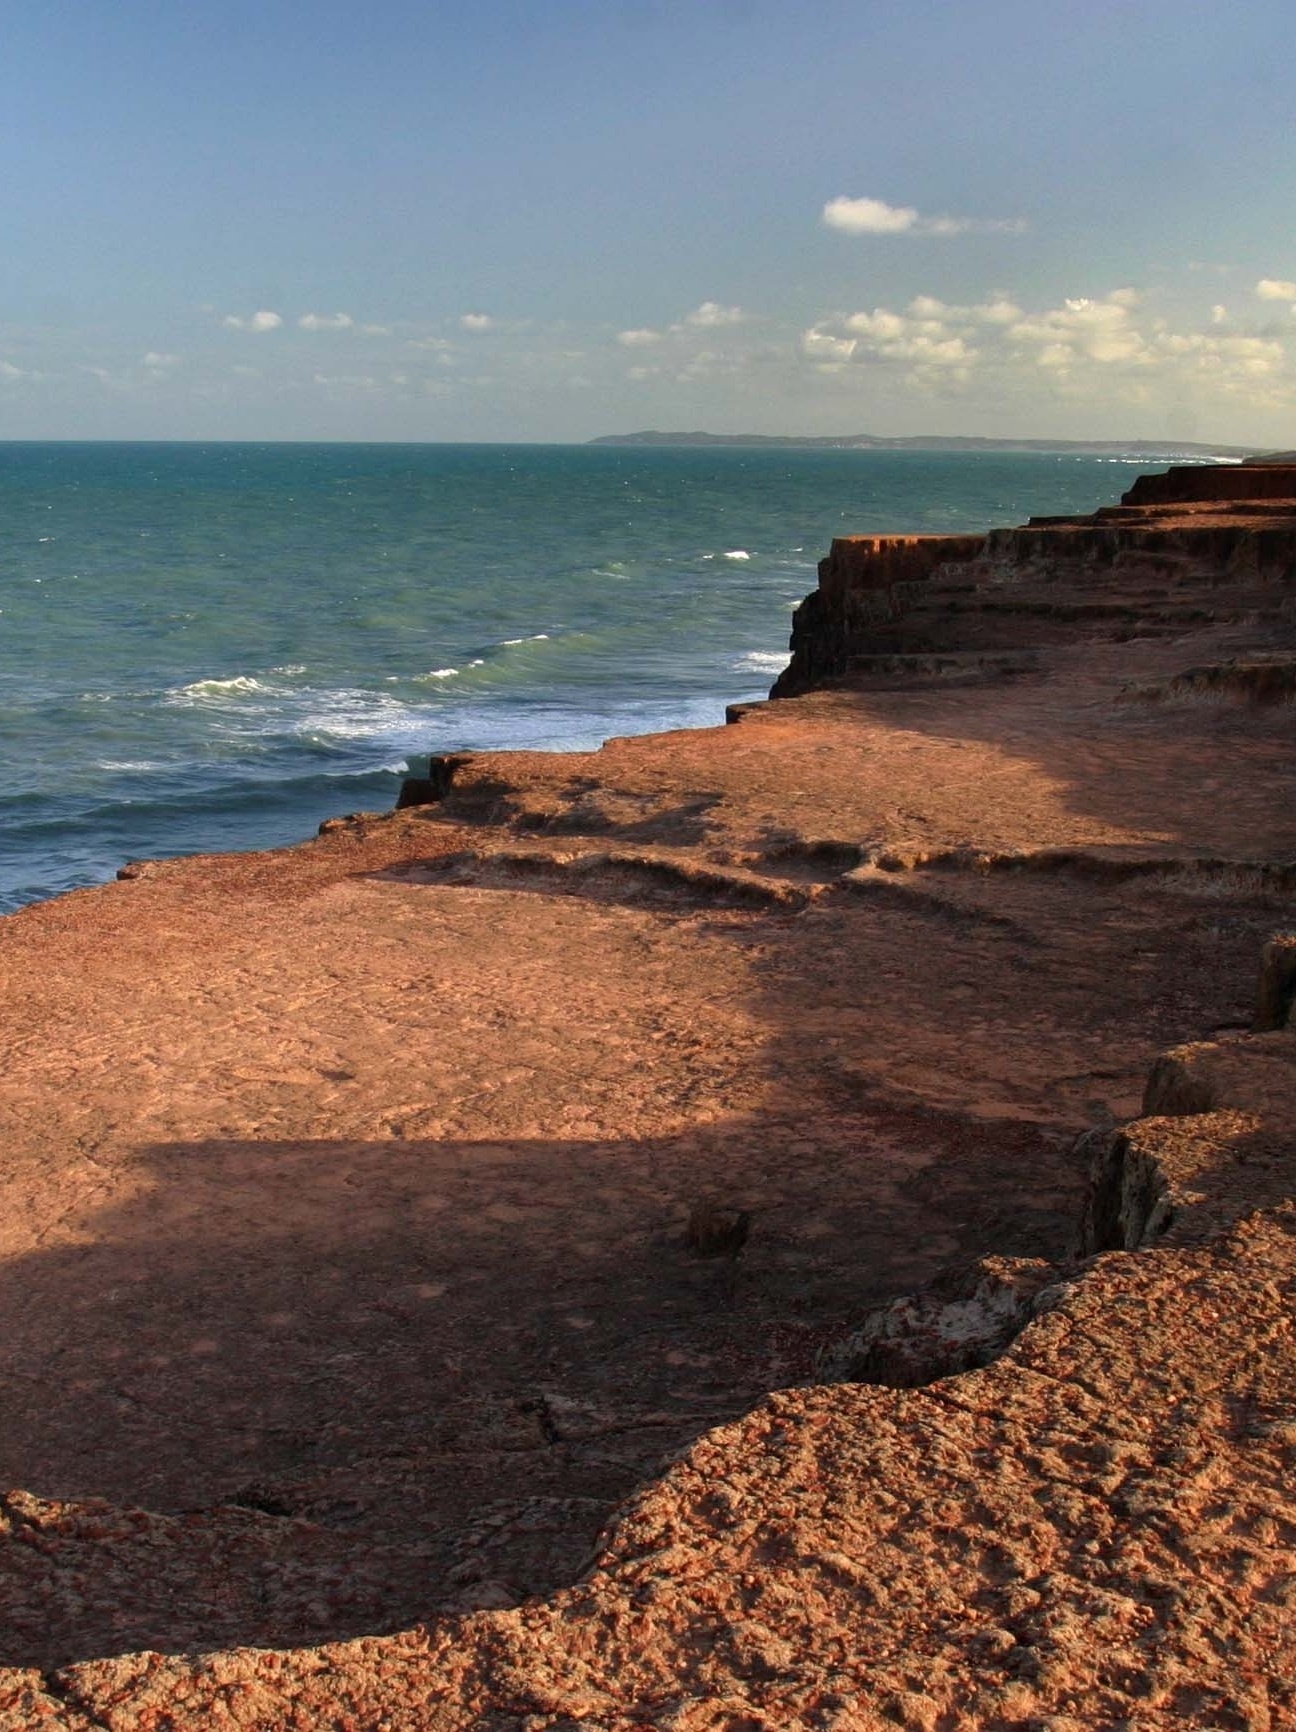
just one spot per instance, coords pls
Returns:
(621, 874)
(60, 1688)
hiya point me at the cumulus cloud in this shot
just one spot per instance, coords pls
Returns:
(711, 315)
(375, 330)
(477, 322)
(874, 216)
(823, 346)
(9, 371)
(1275, 289)
(326, 321)
(1105, 347)
(998, 310)
(932, 341)
(638, 339)
(157, 360)
(258, 322)
(1097, 330)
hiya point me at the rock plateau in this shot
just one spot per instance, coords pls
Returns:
(363, 1366)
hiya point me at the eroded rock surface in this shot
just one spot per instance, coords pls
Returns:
(362, 1366)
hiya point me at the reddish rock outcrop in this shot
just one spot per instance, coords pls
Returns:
(362, 1365)
(1194, 546)
(1191, 484)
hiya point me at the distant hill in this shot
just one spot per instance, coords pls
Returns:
(1165, 448)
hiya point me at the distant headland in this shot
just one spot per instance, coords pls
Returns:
(1143, 448)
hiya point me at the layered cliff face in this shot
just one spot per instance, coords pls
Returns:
(1192, 547)
(362, 1366)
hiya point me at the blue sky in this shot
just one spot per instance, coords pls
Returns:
(551, 220)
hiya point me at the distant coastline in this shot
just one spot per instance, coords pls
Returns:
(1147, 448)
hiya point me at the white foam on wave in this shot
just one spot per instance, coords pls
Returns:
(738, 553)
(237, 685)
(435, 674)
(351, 714)
(535, 637)
(763, 661)
(136, 766)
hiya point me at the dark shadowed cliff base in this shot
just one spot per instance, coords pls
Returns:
(369, 1360)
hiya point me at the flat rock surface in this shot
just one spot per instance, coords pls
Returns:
(346, 1279)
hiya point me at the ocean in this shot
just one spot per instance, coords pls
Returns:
(216, 646)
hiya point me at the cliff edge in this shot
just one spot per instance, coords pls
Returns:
(369, 1361)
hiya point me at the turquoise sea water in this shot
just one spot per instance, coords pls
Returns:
(216, 646)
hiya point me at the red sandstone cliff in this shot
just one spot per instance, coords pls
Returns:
(1193, 546)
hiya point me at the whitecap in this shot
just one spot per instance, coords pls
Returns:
(738, 553)
(354, 714)
(435, 674)
(290, 669)
(237, 684)
(763, 661)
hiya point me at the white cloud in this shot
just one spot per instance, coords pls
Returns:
(1105, 349)
(1058, 355)
(326, 321)
(375, 330)
(711, 315)
(869, 216)
(9, 371)
(1219, 314)
(639, 373)
(477, 322)
(998, 311)
(879, 324)
(874, 216)
(348, 381)
(1275, 289)
(638, 339)
(1100, 330)
(923, 341)
(1241, 358)
(261, 321)
(1002, 310)
(157, 360)
(437, 345)
(822, 346)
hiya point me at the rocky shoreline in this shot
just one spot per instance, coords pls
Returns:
(363, 1366)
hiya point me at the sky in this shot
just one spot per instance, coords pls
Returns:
(498, 220)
